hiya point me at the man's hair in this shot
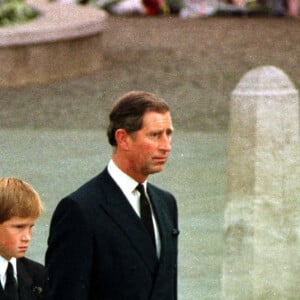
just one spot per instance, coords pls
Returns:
(129, 110)
(18, 199)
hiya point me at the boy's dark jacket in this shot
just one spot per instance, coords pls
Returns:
(32, 280)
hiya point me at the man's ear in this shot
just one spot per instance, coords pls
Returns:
(121, 136)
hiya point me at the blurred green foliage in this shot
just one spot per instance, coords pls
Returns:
(16, 11)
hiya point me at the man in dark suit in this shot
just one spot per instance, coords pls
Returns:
(107, 241)
(20, 277)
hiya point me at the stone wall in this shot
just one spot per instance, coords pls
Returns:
(64, 42)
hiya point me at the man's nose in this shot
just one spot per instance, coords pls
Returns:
(166, 142)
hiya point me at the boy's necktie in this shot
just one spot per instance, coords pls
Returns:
(11, 287)
(145, 210)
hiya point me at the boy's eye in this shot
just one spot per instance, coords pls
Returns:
(23, 226)
(19, 226)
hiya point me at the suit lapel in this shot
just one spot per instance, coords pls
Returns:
(120, 210)
(24, 282)
(168, 236)
(165, 227)
(4, 296)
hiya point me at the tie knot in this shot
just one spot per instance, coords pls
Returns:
(141, 189)
(9, 270)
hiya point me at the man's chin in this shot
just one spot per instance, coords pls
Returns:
(156, 169)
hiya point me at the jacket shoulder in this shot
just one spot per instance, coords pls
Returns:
(33, 279)
(93, 186)
(32, 267)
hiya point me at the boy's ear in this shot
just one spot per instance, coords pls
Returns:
(121, 136)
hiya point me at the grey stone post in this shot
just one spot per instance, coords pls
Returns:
(262, 218)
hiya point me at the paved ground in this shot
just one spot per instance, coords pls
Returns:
(56, 162)
(53, 135)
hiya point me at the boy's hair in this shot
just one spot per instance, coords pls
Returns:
(18, 199)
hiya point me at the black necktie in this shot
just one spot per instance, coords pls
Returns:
(11, 287)
(145, 211)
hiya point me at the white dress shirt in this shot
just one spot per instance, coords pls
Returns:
(128, 186)
(3, 268)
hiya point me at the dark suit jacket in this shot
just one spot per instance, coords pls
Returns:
(32, 280)
(98, 248)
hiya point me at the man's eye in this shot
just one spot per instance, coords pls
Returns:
(169, 133)
(155, 134)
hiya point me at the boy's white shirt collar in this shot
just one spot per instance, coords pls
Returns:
(3, 267)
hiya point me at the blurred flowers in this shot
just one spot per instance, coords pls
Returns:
(15, 11)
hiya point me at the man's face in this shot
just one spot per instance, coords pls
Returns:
(15, 236)
(150, 146)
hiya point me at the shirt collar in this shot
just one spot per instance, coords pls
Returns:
(3, 265)
(125, 182)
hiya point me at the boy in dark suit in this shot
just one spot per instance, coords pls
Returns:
(21, 278)
(115, 238)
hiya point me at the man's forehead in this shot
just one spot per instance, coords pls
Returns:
(156, 118)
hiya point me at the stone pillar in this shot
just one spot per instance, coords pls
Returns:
(262, 218)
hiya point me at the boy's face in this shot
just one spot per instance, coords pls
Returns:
(15, 236)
